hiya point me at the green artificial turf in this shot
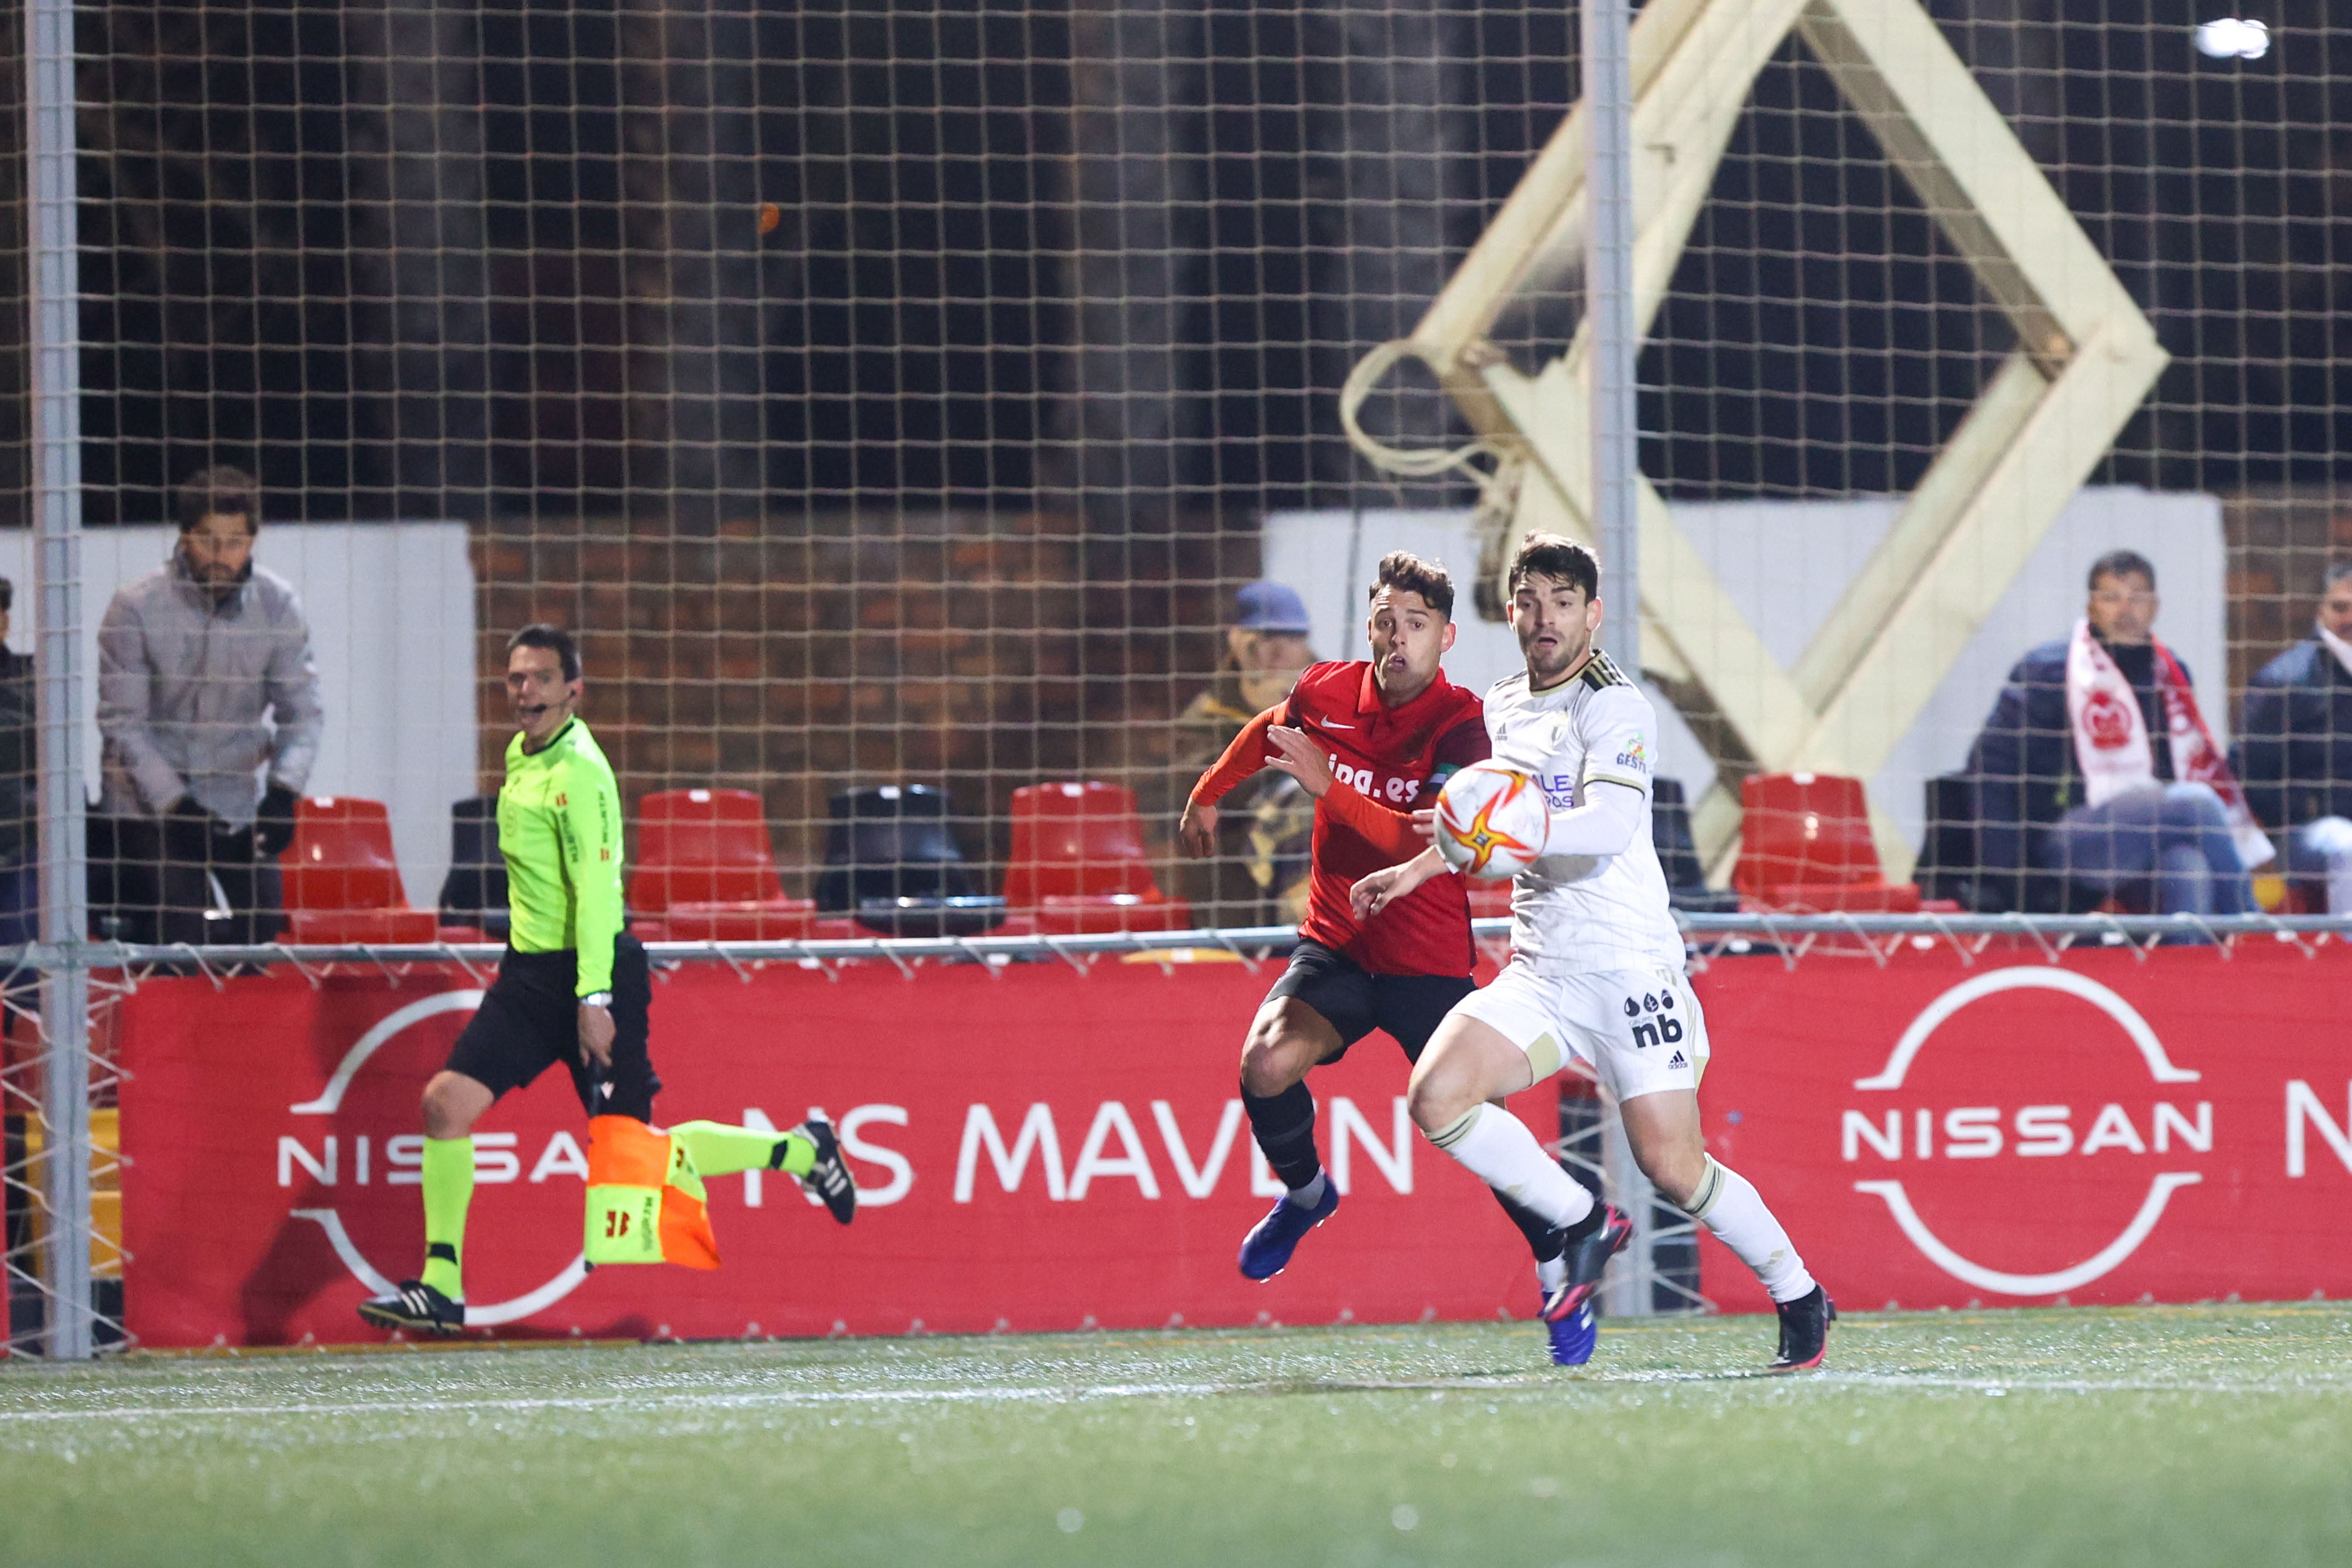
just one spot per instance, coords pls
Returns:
(2216, 1435)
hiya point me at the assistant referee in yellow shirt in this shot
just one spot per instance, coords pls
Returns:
(573, 987)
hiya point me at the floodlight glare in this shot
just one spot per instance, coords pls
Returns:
(2233, 38)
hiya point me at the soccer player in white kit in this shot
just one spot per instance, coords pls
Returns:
(1596, 969)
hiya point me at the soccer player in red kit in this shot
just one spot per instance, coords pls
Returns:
(1371, 740)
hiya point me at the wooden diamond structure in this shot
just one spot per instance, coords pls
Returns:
(2087, 357)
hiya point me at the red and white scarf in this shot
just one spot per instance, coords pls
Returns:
(2111, 740)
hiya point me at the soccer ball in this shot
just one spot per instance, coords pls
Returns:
(1491, 820)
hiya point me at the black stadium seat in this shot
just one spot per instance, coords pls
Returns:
(891, 861)
(475, 891)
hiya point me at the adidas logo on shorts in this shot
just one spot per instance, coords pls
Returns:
(1677, 1060)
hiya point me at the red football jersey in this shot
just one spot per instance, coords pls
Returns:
(1399, 759)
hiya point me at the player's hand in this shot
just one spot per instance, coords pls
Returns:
(1375, 893)
(1385, 886)
(597, 1035)
(1424, 823)
(1198, 831)
(1301, 759)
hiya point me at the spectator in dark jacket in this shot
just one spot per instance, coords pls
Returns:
(2295, 746)
(2049, 840)
(20, 879)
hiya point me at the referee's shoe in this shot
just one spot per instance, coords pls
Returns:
(828, 1178)
(416, 1306)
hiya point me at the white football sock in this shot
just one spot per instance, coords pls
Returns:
(1552, 1273)
(1496, 1147)
(1729, 1205)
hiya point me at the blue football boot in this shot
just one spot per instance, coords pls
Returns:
(1266, 1250)
(1572, 1336)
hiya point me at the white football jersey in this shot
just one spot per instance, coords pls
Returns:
(1585, 913)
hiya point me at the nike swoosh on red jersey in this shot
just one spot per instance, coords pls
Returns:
(1333, 724)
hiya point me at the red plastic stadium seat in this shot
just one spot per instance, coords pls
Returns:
(323, 927)
(342, 856)
(1805, 846)
(1074, 914)
(745, 920)
(343, 884)
(705, 872)
(1077, 840)
(1831, 897)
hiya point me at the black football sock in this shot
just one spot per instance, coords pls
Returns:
(1284, 1125)
(1544, 1240)
(1572, 1234)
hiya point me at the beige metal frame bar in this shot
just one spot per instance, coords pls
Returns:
(2086, 358)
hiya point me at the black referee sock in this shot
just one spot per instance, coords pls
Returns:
(1284, 1125)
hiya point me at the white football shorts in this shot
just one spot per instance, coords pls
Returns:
(1641, 1031)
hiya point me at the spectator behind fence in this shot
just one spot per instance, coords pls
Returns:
(205, 675)
(20, 872)
(1265, 827)
(2079, 804)
(2294, 748)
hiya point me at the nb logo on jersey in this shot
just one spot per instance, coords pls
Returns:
(563, 801)
(617, 1223)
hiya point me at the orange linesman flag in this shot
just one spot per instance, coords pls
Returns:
(644, 1198)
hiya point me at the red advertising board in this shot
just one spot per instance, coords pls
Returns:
(2017, 1132)
(1038, 1148)
(1042, 1149)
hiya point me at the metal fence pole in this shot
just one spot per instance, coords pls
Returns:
(1609, 316)
(56, 375)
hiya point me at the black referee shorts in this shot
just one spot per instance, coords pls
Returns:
(1406, 1007)
(529, 1021)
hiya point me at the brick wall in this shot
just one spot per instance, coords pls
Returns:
(964, 651)
(2279, 546)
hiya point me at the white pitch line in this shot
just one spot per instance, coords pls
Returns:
(1532, 1383)
(2026, 1385)
(634, 1402)
(2073, 1384)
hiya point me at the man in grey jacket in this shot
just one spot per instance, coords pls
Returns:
(205, 675)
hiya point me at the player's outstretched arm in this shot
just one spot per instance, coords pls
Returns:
(1604, 825)
(1399, 834)
(1385, 886)
(1197, 830)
